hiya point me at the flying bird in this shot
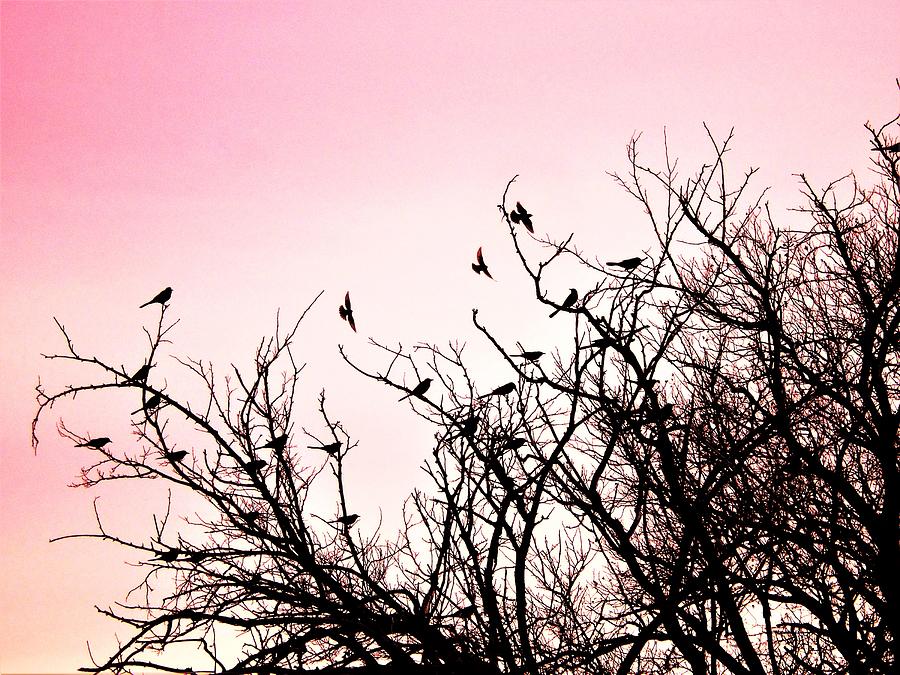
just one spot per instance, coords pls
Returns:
(176, 456)
(627, 264)
(464, 613)
(502, 390)
(419, 390)
(347, 520)
(95, 443)
(346, 311)
(276, 443)
(331, 448)
(142, 373)
(529, 357)
(514, 443)
(888, 148)
(162, 297)
(256, 465)
(151, 404)
(481, 267)
(520, 215)
(570, 300)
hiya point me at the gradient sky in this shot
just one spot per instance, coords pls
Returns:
(253, 154)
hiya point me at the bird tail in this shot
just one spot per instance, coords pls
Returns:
(145, 304)
(554, 313)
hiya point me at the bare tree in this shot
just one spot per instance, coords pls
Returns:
(704, 479)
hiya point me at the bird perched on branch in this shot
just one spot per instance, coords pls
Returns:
(251, 516)
(570, 300)
(627, 264)
(529, 357)
(514, 443)
(168, 556)
(95, 443)
(468, 428)
(331, 448)
(276, 443)
(520, 215)
(176, 456)
(502, 390)
(162, 297)
(256, 465)
(346, 311)
(481, 266)
(347, 520)
(888, 148)
(151, 404)
(419, 390)
(600, 343)
(142, 373)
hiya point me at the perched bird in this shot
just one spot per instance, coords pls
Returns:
(888, 148)
(419, 390)
(251, 516)
(528, 356)
(600, 343)
(468, 428)
(95, 443)
(176, 456)
(464, 613)
(331, 448)
(256, 465)
(514, 443)
(570, 300)
(520, 215)
(276, 443)
(502, 390)
(151, 404)
(627, 264)
(346, 311)
(162, 297)
(197, 556)
(347, 520)
(168, 556)
(664, 413)
(481, 266)
(142, 373)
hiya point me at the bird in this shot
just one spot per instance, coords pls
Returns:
(464, 613)
(168, 556)
(570, 300)
(142, 373)
(162, 297)
(256, 465)
(346, 311)
(627, 264)
(95, 443)
(481, 266)
(151, 404)
(276, 443)
(251, 516)
(600, 343)
(664, 413)
(331, 448)
(469, 427)
(514, 443)
(176, 456)
(502, 390)
(520, 215)
(888, 148)
(347, 520)
(528, 356)
(419, 390)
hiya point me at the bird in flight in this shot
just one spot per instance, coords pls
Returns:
(464, 613)
(142, 373)
(419, 389)
(346, 311)
(529, 357)
(347, 520)
(481, 266)
(95, 443)
(570, 300)
(888, 148)
(176, 456)
(520, 215)
(151, 404)
(502, 390)
(276, 443)
(331, 448)
(514, 443)
(162, 297)
(627, 264)
(256, 465)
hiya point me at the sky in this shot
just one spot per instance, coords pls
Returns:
(253, 154)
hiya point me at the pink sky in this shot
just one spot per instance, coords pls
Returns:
(253, 154)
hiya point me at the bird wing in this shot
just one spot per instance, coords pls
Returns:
(347, 300)
(480, 258)
(351, 321)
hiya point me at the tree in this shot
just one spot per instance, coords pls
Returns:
(705, 479)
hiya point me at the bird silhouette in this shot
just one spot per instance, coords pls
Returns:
(419, 390)
(256, 465)
(151, 404)
(514, 443)
(627, 264)
(276, 443)
(599, 343)
(347, 520)
(502, 390)
(464, 613)
(570, 300)
(176, 456)
(95, 443)
(331, 448)
(162, 297)
(520, 215)
(888, 148)
(481, 267)
(346, 311)
(170, 555)
(142, 373)
(468, 428)
(529, 357)
(251, 516)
